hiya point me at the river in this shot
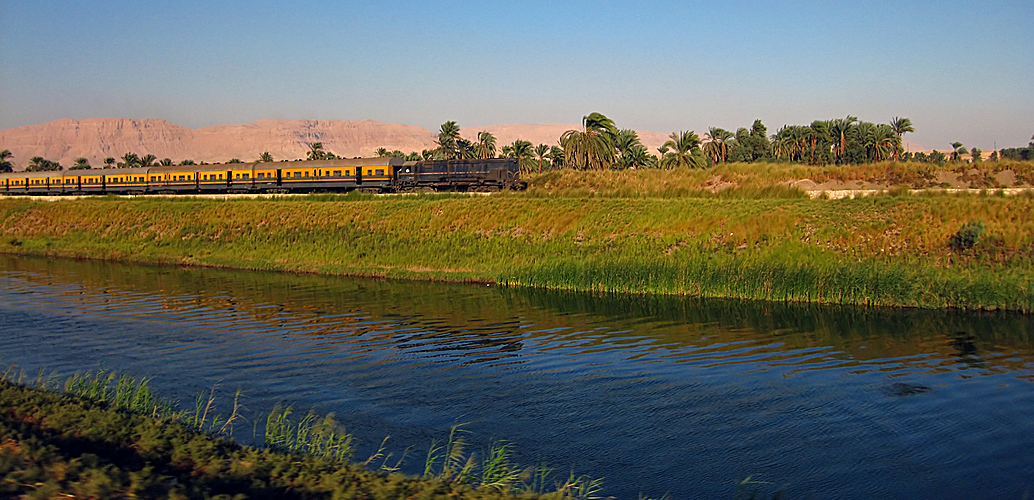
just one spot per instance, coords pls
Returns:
(656, 395)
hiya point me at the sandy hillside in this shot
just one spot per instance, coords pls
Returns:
(65, 140)
(98, 138)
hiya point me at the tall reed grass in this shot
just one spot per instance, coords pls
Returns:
(451, 462)
(312, 435)
(121, 391)
(321, 437)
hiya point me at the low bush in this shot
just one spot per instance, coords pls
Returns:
(967, 236)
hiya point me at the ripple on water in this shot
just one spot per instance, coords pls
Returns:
(678, 396)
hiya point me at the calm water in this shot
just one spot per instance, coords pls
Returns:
(656, 395)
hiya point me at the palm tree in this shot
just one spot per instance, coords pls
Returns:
(81, 163)
(783, 143)
(820, 135)
(900, 127)
(109, 162)
(40, 164)
(841, 130)
(878, 141)
(233, 160)
(465, 150)
(147, 160)
(957, 151)
(36, 164)
(556, 157)
(265, 157)
(540, 152)
(6, 166)
(593, 146)
(486, 145)
(129, 160)
(625, 142)
(522, 151)
(165, 162)
(716, 145)
(684, 151)
(637, 157)
(316, 152)
(187, 162)
(382, 152)
(448, 134)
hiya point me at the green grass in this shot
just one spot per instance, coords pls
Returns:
(107, 436)
(654, 183)
(889, 250)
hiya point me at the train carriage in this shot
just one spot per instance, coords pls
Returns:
(339, 175)
(24, 182)
(181, 179)
(111, 180)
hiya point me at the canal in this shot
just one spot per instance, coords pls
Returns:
(656, 395)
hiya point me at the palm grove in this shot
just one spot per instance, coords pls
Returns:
(599, 144)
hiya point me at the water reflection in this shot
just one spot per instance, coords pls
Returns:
(656, 393)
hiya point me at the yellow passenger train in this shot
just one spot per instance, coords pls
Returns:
(365, 174)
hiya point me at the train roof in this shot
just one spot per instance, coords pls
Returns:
(75, 173)
(354, 162)
(217, 167)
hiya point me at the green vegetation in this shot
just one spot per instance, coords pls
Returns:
(752, 242)
(968, 236)
(600, 145)
(652, 183)
(5, 164)
(40, 164)
(108, 436)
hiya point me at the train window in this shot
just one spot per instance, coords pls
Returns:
(380, 171)
(261, 175)
(337, 173)
(245, 176)
(306, 173)
(369, 172)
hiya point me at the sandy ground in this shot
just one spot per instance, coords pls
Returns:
(837, 194)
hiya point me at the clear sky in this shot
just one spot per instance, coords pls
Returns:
(960, 70)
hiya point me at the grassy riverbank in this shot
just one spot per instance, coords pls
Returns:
(104, 437)
(882, 250)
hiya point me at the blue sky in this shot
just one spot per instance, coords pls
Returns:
(960, 70)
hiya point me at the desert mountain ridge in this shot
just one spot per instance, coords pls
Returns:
(67, 139)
